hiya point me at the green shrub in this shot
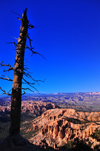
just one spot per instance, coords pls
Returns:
(69, 145)
(96, 135)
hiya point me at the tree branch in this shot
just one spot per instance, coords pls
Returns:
(19, 18)
(1, 63)
(6, 78)
(33, 52)
(23, 93)
(30, 84)
(27, 89)
(4, 92)
(7, 65)
(15, 45)
(29, 76)
(15, 13)
(15, 38)
(31, 26)
(27, 82)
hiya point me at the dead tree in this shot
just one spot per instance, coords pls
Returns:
(18, 75)
(19, 71)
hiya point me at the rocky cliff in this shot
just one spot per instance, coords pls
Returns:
(56, 127)
(34, 107)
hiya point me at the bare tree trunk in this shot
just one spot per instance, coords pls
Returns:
(14, 141)
(18, 74)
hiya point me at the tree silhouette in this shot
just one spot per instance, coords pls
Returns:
(19, 71)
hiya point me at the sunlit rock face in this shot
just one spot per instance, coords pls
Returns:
(58, 126)
(55, 131)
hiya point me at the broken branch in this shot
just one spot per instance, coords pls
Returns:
(27, 89)
(4, 92)
(30, 84)
(15, 13)
(7, 65)
(6, 78)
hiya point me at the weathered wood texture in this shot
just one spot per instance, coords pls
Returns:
(18, 74)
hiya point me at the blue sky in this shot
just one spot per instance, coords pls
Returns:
(67, 35)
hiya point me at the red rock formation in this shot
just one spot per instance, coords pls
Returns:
(56, 130)
(36, 107)
(59, 125)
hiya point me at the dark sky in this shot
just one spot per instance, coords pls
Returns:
(67, 35)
